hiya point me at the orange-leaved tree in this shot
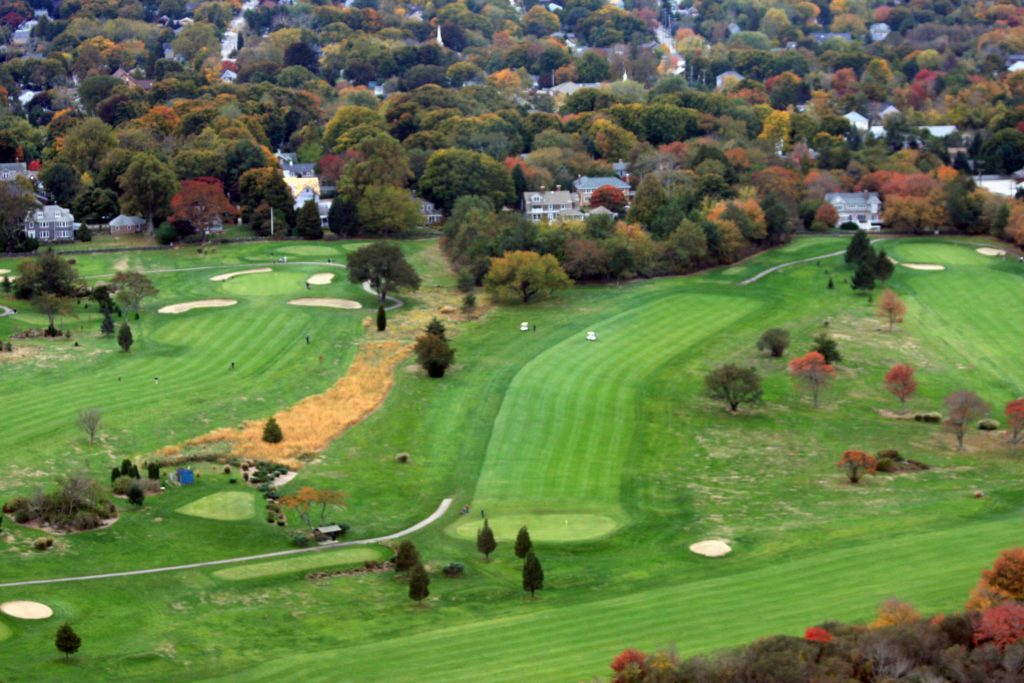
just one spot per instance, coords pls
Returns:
(629, 665)
(894, 612)
(306, 497)
(201, 203)
(1003, 582)
(900, 381)
(1015, 422)
(857, 464)
(891, 308)
(611, 198)
(817, 634)
(813, 371)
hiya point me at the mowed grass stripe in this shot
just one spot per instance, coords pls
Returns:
(568, 417)
(934, 571)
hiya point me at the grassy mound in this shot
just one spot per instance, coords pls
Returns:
(561, 528)
(303, 563)
(226, 506)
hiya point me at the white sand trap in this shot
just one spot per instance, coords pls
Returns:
(4, 271)
(320, 279)
(328, 303)
(174, 309)
(711, 548)
(26, 609)
(923, 266)
(984, 251)
(227, 276)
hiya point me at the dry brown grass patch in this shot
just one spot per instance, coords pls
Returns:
(314, 422)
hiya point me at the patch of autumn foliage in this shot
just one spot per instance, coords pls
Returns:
(857, 464)
(314, 422)
(812, 370)
(1003, 582)
(816, 634)
(626, 662)
(1001, 625)
(1015, 421)
(895, 613)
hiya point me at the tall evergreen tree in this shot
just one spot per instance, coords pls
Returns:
(272, 432)
(67, 640)
(419, 582)
(533, 574)
(406, 557)
(858, 248)
(107, 326)
(883, 266)
(308, 222)
(485, 542)
(864, 276)
(124, 337)
(519, 182)
(523, 543)
(650, 197)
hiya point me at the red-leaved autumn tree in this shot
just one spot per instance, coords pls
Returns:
(1000, 625)
(201, 202)
(812, 370)
(1015, 422)
(609, 197)
(857, 464)
(900, 381)
(629, 665)
(817, 634)
(891, 308)
(1003, 582)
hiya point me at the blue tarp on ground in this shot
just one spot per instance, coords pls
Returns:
(186, 476)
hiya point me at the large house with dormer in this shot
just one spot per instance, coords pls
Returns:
(51, 223)
(548, 206)
(862, 208)
(585, 186)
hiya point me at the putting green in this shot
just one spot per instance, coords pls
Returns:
(308, 250)
(301, 563)
(267, 284)
(5, 632)
(227, 506)
(560, 528)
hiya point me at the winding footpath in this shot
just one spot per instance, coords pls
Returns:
(433, 517)
(764, 273)
(396, 303)
(4, 311)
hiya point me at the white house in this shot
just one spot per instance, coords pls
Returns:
(548, 206)
(228, 76)
(858, 121)
(879, 31)
(888, 111)
(862, 208)
(1016, 66)
(431, 214)
(938, 131)
(51, 223)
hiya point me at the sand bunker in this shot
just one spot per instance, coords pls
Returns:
(328, 303)
(26, 609)
(320, 279)
(227, 276)
(984, 251)
(711, 548)
(923, 266)
(4, 271)
(174, 309)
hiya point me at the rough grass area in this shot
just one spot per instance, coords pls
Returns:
(302, 563)
(227, 506)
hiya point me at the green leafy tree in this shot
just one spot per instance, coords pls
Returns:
(61, 182)
(434, 354)
(452, 173)
(341, 217)
(16, 200)
(307, 223)
(733, 385)
(523, 543)
(533, 574)
(384, 267)
(485, 543)
(650, 197)
(107, 326)
(883, 266)
(406, 557)
(775, 341)
(48, 273)
(51, 306)
(525, 275)
(384, 210)
(419, 583)
(130, 288)
(67, 640)
(147, 186)
(272, 432)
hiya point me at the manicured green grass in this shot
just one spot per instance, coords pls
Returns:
(549, 528)
(227, 506)
(540, 427)
(5, 630)
(302, 563)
